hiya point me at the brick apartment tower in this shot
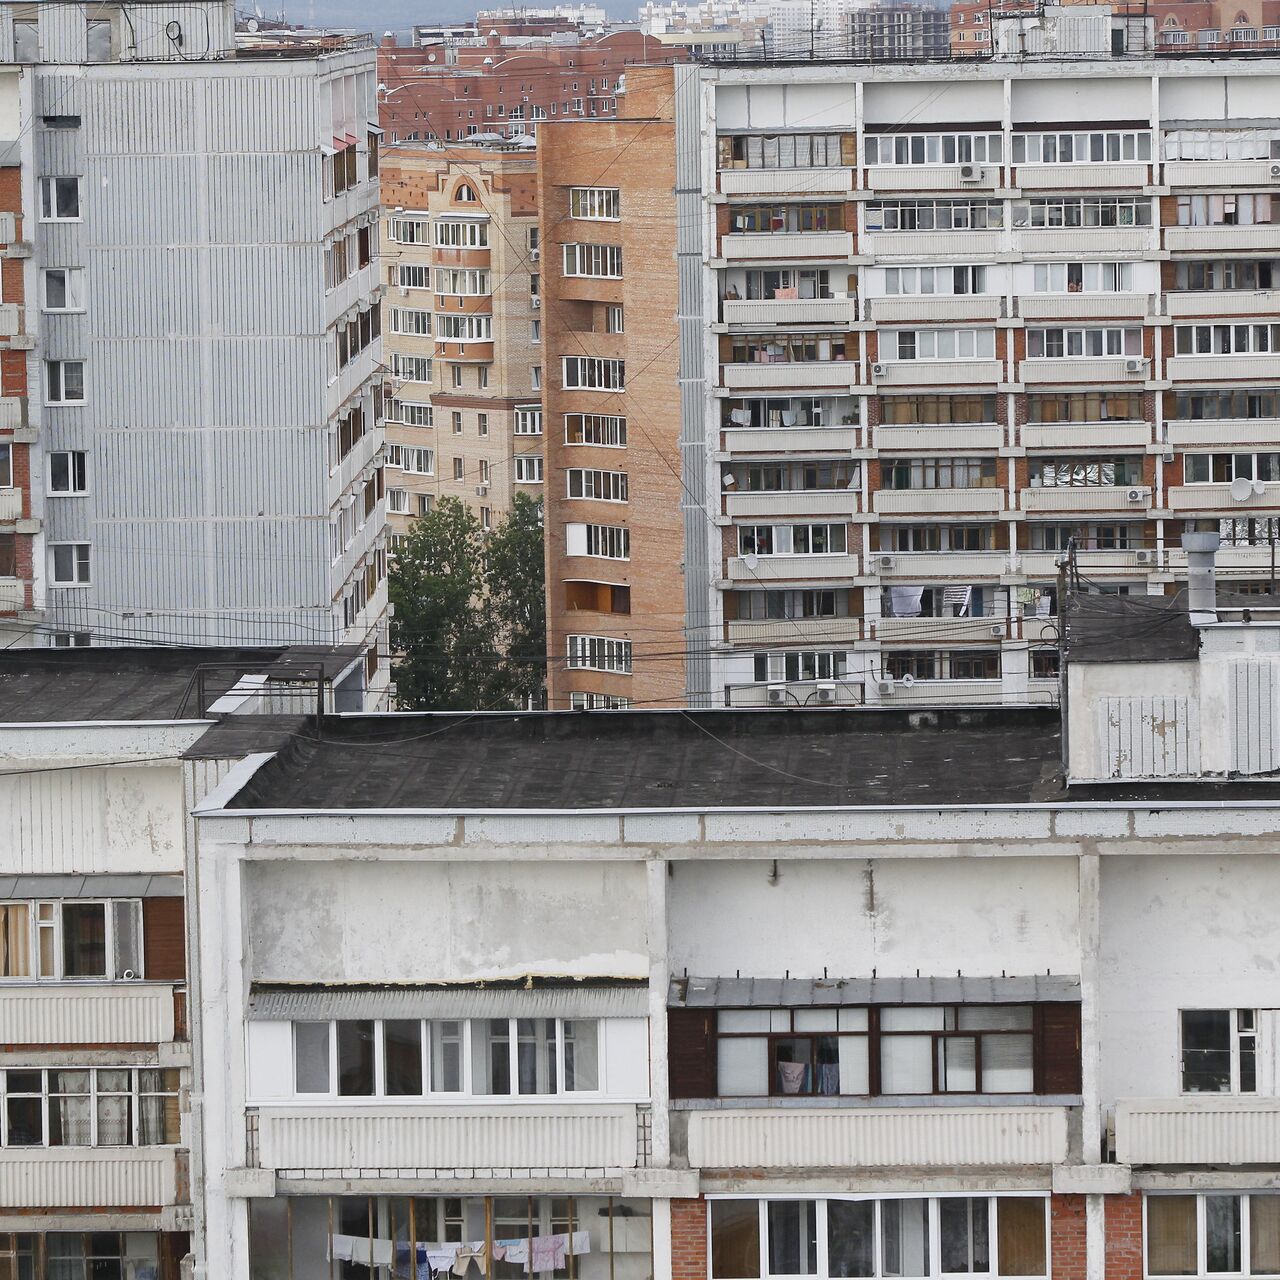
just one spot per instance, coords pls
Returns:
(463, 337)
(611, 407)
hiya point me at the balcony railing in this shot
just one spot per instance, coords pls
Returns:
(840, 374)
(105, 1177)
(1086, 435)
(907, 501)
(1198, 1131)
(767, 182)
(1067, 498)
(842, 311)
(940, 439)
(96, 1013)
(824, 442)
(833, 245)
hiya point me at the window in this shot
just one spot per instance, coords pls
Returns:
(930, 410)
(410, 368)
(606, 541)
(599, 653)
(469, 234)
(409, 231)
(59, 199)
(595, 204)
(68, 472)
(1084, 473)
(1088, 537)
(1085, 406)
(484, 470)
(417, 461)
(455, 419)
(410, 322)
(1082, 211)
(64, 381)
(786, 540)
(1212, 1233)
(595, 429)
(1099, 341)
(398, 502)
(589, 373)
(528, 468)
(934, 215)
(528, 420)
(69, 564)
(1234, 403)
(63, 289)
(413, 276)
(82, 1107)
(1080, 148)
(787, 218)
(466, 282)
(786, 347)
(535, 332)
(465, 194)
(464, 328)
(1219, 1051)
(1221, 144)
(1083, 277)
(760, 606)
(606, 486)
(1237, 209)
(598, 702)
(1223, 468)
(938, 473)
(1225, 339)
(535, 377)
(791, 477)
(950, 537)
(482, 376)
(786, 151)
(941, 344)
(935, 280)
(957, 664)
(458, 465)
(797, 666)
(612, 318)
(6, 467)
(1229, 274)
(455, 375)
(593, 260)
(768, 283)
(70, 939)
(934, 148)
(70, 640)
(409, 412)
(482, 424)
(858, 1235)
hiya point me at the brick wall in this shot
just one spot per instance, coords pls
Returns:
(1067, 1240)
(688, 1240)
(1124, 1237)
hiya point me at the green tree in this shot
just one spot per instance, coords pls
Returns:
(516, 598)
(469, 627)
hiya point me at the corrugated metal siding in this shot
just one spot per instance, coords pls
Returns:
(64, 1179)
(87, 1015)
(1149, 737)
(790, 993)
(694, 446)
(54, 822)
(1185, 1131)
(1253, 703)
(587, 1002)
(982, 1136)
(403, 1138)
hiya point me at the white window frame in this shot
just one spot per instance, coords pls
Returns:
(135, 1093)
(54, 927)
(405, 230)
(596, 485)
(63, 398)
(50, 202)
(593, 373)
(598, 653)
(595, 204)
(87, 559)
(609, 430)
(598, 261)
(528, 468)
(411, 322)
(75, 490)
(73, 287)
(528, 420)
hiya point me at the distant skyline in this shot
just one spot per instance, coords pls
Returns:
(394, 15)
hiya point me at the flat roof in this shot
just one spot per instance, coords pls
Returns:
(68, 686)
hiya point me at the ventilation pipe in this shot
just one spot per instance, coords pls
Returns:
(1202, 591)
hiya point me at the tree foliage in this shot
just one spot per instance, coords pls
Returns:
(469, 628)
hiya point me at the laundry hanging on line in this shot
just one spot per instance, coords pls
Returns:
(549, 1254)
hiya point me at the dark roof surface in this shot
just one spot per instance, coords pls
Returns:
(656, 759)
(1114, 628)
(146, 683)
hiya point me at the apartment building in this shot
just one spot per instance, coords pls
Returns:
(505, 84)
(20, 553)
(615, 496)
(464, 329)
(939, 345)
(207, 466)
(729, 996)
(888, 32)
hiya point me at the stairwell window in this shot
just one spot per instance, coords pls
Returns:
(1219, 1050)
(64, 381)
(528, 468)
(68, 472)
(69, 564)
(63, 289)
(59, 199)
(528, 420)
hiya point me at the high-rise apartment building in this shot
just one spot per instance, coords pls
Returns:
(611, 397)
(206, 399)
(939, 347)
(898, 32)
(463, 333)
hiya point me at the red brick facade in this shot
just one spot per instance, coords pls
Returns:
(1124, 1237)
(688, 1240)
(13, 383)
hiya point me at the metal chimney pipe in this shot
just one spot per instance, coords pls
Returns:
(1202, 590)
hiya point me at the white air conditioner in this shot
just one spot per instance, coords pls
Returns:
(877, 371)
(1275, 170)
(1145, 557)
(536, 301)
(776, 695)
(825, 694)
(884, 562)
(970, 173)
(885, 687)
(1167, 458)
(997, 630)
(535, 255)
(1134, 366)
(1137, 495)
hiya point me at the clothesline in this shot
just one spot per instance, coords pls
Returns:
(539, 1253)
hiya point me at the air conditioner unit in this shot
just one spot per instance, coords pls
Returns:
(1134, 366)
(885, 687)
(535, 302)
(1166, 458)
(1136, 495)
(884, 562)
(776, 695)
(877, 371)
(1145, 557)
(997, 630)
(970, 173)
(535, 255)
(1275, 170)
(825, 695)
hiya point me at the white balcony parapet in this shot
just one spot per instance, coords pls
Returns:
(1224, 302)
(943, 439)
(70, 1177)
(932, 306)
(1086, 435)
(1184, 435)
(1100, 498)
(404, 1138)
(841, 374)
(802, 502)
(107, 1013)
(825, 442)
(939, 373)
(1109, 369)
(942, 177)
(12, 594)
(768, 182)
(10, 504)
(791, 311)
(999, 1137)
(923, 566)
(1218, 497)
(1044, 564)
(1063, 242)
(1264, 366)
(834, 245)
(1197, 1130)
(1181, 239)
(830, 568)
(1217, 173)
(817, 631)
(939, 630)
(908, 501)
(1083, 306)
(1080, 177)
(967, 246)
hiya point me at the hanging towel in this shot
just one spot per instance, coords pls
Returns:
(467, 1253)
(375, 1252)
(549, 1252)
(956, 599)
(517, 1251)
(581, 1242)
(905, 601)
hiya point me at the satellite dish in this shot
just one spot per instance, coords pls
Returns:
(1259, 487)
(1241, 489)
(729, 479)
(906, 681)
(751, 560)
(252, 24)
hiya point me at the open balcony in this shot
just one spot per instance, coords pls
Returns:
(1201, 1130)
(874, 1137)
(780, 182)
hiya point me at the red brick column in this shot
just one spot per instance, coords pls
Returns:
(1124, 1237)
(688, 1240)
(1067, 1243)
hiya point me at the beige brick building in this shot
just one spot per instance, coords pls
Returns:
(615, 594)
(463, 340)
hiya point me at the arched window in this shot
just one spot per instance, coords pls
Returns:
(465, 194)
